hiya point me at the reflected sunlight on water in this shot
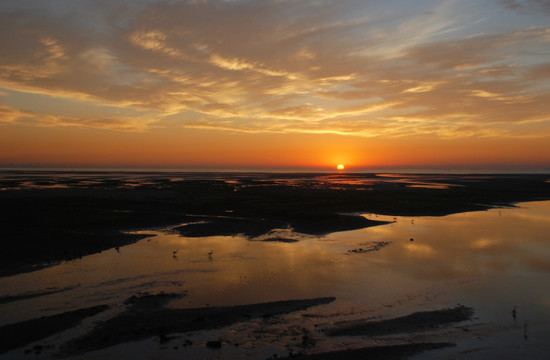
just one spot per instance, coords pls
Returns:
(492, 261)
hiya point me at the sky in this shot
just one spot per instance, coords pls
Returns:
(275, 84)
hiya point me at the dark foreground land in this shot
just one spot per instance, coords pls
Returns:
(145, 316)
(49, 217)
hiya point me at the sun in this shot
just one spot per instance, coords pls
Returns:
(340, 167)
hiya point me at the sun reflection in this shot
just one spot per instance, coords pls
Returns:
(421, 250)
(484, 243)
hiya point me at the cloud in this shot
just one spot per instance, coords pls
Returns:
(527, 6)
(346, 67)
(9, 115)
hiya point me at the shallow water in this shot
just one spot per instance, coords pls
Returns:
(19, 180)
(492, 261)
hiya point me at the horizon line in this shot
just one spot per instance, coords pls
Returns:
(358, 170)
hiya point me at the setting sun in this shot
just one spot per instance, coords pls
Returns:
(340, 167)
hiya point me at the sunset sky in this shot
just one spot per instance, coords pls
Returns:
(280, 84)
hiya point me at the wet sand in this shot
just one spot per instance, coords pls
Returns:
(391, 352)
(20, 334)
(146, 316)
(420, 321)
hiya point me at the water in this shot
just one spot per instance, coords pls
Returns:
(492, 261)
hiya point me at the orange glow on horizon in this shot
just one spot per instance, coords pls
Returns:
(48, 146)
(340, 167)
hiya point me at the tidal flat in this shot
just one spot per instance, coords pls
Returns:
(253, 265)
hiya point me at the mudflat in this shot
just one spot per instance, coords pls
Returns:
(46, 218)
(145, 316)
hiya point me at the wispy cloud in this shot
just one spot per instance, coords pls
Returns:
(9, 115)
(344, 67)
(526, 6)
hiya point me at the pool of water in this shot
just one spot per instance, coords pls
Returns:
(493, 261)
